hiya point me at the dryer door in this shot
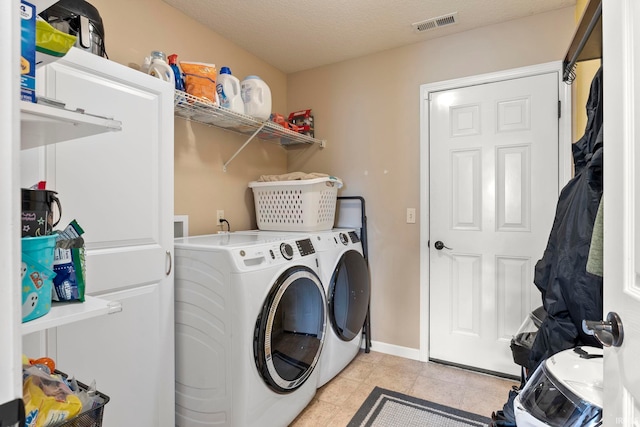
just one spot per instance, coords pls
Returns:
(290, 329)
(349, 293)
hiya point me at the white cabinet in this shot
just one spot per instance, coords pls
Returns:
(119, 187)
(125, 353)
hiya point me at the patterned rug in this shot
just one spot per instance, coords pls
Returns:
(385, 408)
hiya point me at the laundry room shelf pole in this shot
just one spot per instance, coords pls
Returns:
(224, 167)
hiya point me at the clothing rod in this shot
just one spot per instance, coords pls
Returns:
(583, 41)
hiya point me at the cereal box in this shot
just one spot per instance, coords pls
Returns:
(28, 52)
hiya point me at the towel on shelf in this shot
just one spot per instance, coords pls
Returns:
(292, 176)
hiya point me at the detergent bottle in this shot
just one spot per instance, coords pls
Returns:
(177, 74)
(159, 67)
(257, 97)
(228, 89)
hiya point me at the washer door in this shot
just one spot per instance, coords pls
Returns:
(290, 329)
(349, 293)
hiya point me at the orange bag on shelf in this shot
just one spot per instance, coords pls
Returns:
(200, 80)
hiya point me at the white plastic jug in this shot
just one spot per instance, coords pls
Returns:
(159, 68)
(256, 96)
(228, 89)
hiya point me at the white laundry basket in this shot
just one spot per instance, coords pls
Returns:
(300, 205)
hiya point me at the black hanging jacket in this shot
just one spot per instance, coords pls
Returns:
(570, 294)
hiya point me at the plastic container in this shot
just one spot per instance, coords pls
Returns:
(300, 205)
(159, 68)
(37, 212)
(256, 96)
(177, 73)
(37, 275)
(228, 89)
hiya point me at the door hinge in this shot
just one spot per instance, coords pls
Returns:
(559, 109)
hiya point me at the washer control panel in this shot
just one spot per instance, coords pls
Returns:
(344, 239)
(305, 247)
(286, 250)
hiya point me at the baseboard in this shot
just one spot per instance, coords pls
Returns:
(395, 350)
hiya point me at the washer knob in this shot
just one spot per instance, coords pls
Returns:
(344, 239)
(286, 250)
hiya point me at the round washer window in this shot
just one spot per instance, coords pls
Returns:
(290, 329)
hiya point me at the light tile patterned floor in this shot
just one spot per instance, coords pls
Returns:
(338, 400)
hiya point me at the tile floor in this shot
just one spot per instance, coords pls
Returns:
(338, 400)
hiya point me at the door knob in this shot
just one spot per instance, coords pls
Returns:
(440, 246)
(608, 333)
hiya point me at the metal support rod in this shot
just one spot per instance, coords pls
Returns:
(224, 167)
(582, 42)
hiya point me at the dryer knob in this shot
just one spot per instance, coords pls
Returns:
(344, 239)
(286, 250)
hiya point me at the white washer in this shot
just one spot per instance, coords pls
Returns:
(250, 316)
(345, 275)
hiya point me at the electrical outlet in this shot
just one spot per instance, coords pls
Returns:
(411, 215)
(219, 215)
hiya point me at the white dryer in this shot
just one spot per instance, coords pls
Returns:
(250, 314)
(345, 274)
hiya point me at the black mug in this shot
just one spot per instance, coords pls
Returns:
(37, 212)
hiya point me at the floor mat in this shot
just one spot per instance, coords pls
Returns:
(387, 408)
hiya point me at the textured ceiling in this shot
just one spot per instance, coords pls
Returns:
(295, 35)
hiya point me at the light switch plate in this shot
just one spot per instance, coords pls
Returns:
(411, 215)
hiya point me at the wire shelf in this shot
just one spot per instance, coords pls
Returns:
(202, 111)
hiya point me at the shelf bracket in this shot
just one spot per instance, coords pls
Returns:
(114, 307)
(224, 167)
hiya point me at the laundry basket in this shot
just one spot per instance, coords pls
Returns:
(299, 205)
(91, 417)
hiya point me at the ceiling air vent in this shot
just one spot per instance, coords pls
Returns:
(432, 23)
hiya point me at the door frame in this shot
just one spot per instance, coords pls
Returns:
(10, 252)
(564, 161)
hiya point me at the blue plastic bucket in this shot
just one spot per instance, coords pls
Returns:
(37, 275)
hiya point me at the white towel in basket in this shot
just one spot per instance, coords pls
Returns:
(292, 176)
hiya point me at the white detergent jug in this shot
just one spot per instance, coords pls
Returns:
(256, 96)
(228, 89)
(159, 68)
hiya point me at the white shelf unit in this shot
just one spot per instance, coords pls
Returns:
(63, 313)
(198, 110)
(43, 125)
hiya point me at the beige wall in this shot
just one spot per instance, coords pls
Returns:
(132, 30)
(368, 110)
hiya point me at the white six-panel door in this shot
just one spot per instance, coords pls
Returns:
(493, 191)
